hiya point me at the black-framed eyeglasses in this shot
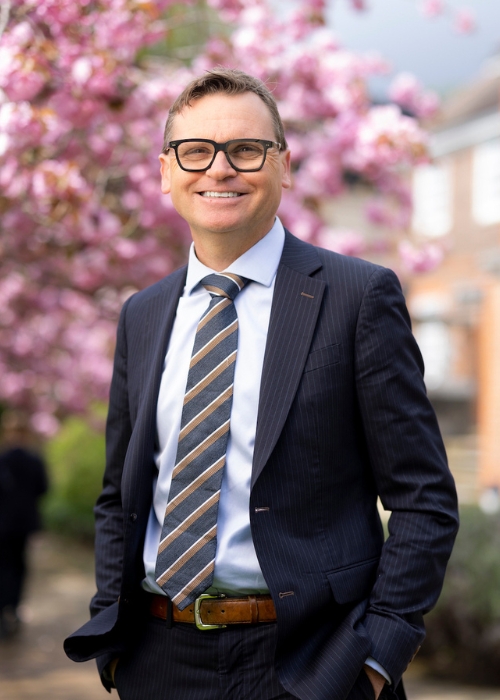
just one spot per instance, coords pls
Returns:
(244, 155)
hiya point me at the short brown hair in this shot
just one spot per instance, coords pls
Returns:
(230, 82)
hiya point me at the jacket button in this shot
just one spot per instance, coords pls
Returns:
(133, 517)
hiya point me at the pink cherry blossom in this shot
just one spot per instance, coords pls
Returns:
(432, 8)
(386, 139)
(409, 93)
(465, 22)
(344, 241)
(45, 424)
(83, 223)
(420, 259)
(359, 4)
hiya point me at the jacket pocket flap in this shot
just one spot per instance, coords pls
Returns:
(354, 582)
(323, 357)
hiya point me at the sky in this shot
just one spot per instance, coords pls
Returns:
(431, 49)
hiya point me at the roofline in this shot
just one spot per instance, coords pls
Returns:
(469, 134)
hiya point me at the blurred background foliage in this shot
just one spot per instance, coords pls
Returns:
(75, 464)
(189, 29)
(463, 631)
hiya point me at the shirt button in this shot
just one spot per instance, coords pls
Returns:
(133, 517)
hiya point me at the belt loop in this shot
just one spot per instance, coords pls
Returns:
(254, 609)
(169, 621)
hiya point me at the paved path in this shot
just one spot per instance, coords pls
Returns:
(34, 667)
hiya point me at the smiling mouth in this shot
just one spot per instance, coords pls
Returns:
(221, 194)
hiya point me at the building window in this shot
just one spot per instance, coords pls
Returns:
(486, 183)
(433, 338)
(432, 200)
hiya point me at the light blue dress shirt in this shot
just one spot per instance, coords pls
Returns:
(237, 569)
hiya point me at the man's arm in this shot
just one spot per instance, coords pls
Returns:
(108, 510)
(99, 638)
(410, 470)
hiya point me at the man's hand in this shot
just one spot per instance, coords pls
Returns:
(376, 679)
(108, 674)
(112, 668)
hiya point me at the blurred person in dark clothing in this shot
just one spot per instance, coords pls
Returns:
(22, 481)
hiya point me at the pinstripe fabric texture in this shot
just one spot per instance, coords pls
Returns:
(183, 663)
(186, 554)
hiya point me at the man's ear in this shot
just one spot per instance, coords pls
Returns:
(165, 172)
(286, 178)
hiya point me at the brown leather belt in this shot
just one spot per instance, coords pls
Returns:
(209, 612)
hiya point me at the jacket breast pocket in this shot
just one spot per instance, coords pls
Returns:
(323, 357)
(353, 582)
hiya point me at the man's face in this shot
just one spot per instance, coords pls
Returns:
(250, 214)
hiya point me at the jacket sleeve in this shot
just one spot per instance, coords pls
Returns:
(410, 469)
(108, 509)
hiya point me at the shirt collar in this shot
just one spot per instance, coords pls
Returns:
(258, 264)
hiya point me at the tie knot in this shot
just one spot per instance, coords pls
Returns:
(224, 284)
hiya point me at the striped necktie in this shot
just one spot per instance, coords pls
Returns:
(186, 554)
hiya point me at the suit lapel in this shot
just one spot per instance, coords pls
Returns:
(296, 303)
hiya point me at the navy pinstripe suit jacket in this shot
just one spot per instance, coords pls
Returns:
(343, 418)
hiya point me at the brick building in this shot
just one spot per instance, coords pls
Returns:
(456, 308)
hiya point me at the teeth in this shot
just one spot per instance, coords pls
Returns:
(220, 194)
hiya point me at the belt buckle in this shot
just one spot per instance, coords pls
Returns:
(197, 614)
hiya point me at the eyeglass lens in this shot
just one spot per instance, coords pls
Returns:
(244, 155)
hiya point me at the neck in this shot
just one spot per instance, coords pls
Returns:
(218, 251)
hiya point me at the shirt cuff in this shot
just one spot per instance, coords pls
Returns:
(377, 667)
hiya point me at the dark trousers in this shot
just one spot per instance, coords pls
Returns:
(183, 663)
(12, 568)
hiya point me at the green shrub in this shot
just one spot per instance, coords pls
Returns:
(463, 632)
(75, 463)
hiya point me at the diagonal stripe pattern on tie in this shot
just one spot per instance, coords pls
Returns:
(186, 554)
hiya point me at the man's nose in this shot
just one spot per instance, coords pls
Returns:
(221, 167)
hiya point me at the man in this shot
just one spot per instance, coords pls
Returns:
(263, 494)
(23, 481)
